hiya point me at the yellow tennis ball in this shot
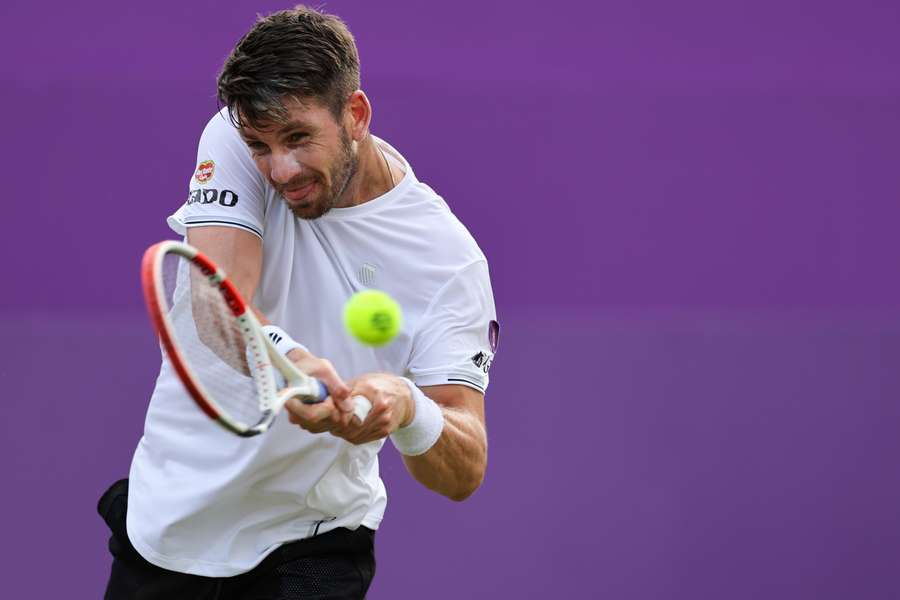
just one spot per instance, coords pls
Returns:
(372, 317)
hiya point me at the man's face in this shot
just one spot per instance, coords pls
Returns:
(309, 158)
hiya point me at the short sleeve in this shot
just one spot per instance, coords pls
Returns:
(226, 188)
(457, 338)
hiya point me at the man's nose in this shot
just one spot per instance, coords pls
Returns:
(284, 167)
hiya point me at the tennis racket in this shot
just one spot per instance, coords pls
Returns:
(216, 345)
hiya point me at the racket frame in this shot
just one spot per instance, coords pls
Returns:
(265, 356)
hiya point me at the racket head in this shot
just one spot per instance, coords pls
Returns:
(211, 337)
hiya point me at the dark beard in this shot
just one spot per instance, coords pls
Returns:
(340, 174)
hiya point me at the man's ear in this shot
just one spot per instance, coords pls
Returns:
(358, 115)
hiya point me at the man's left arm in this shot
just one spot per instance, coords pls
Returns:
(454, 467)
(452, 464)
(439, 425)
(441, 432)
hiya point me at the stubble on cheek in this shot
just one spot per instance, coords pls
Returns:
(327, 191)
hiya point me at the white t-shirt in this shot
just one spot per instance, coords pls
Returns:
(207, 502)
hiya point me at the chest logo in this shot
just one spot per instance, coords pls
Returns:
(366, 274)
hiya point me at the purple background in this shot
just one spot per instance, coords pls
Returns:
(690, 211)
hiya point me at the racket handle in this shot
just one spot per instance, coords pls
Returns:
(361, 404)
(361, 407)
(323, 393)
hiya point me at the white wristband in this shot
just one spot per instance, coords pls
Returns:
(283, 342)
(424, 430)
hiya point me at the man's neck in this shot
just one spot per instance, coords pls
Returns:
(373, 176)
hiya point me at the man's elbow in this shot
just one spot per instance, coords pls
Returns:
(464, 494)
(468, 485)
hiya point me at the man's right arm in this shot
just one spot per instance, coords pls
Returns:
(236, 251)
(239, 254)
(227, 188)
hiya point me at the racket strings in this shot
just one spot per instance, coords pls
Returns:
(209, 337)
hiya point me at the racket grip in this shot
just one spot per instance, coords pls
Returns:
(361, 407)
(361, 404)
(320, 395)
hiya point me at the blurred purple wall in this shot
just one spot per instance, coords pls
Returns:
(690, 213)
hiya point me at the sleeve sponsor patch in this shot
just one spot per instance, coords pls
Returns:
(482, 361)
(458, 337)
(205, 171)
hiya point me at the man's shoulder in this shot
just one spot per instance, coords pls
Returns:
(446, 232)
(220, 125)
(437, 246)
(223, 154)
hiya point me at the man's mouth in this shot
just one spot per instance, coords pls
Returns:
(297, 194)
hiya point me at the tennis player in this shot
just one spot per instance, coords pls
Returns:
(303, 206)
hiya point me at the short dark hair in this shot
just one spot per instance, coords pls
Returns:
(300, 53)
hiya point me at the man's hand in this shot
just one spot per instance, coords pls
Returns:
(392, 404)
(335, 412)
(392, 407)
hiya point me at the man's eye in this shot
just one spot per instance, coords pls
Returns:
(258, 148)
(296, 138)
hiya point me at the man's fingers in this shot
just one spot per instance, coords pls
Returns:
(310, 414)
(340, 393)
(354, 418)
(324, 371)
(337, 389)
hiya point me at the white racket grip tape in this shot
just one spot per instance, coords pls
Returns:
(361, 407)
(318, 394)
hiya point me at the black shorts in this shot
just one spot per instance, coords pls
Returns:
(339, 564)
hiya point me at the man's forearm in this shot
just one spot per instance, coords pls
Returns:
(454, 467)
